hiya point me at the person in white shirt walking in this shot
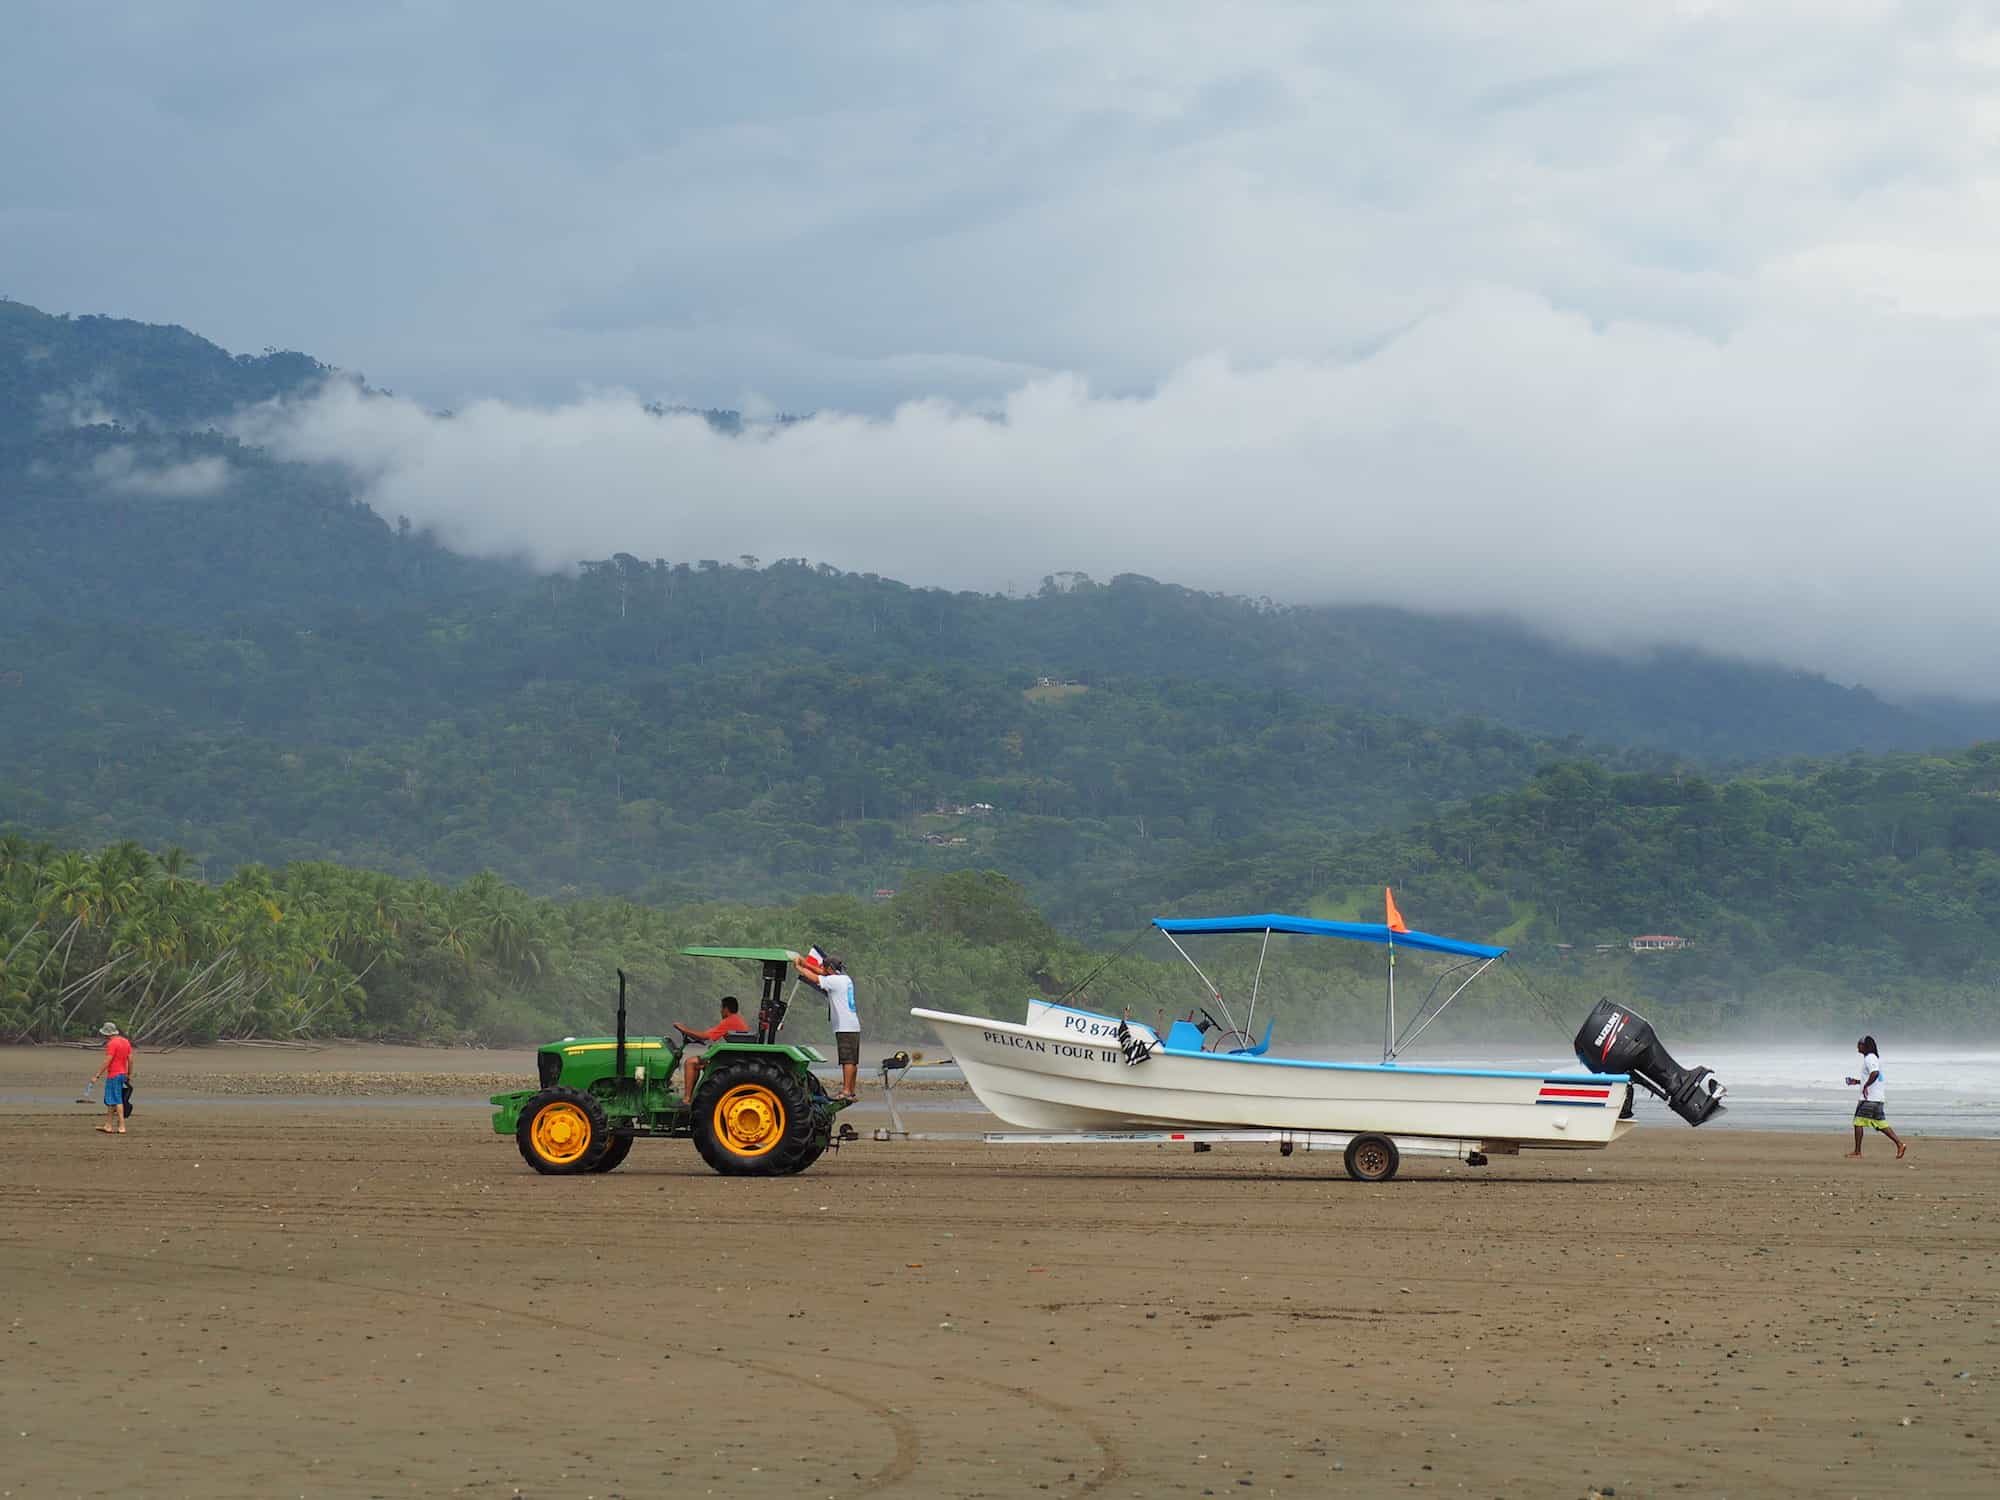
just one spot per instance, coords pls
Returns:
(1869, 1114)
(830, 974)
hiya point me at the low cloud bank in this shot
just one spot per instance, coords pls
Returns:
(1786, 493)
(125, 471)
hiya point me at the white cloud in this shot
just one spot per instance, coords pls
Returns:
(75, 408)
(1665, 321)
(1768, 494)
(123, 470)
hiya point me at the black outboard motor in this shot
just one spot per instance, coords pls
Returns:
(1614, 1040)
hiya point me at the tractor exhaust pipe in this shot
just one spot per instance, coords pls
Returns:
(1614, 1040)
(620, 1064)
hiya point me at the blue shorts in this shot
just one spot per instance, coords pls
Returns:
(114, 1090)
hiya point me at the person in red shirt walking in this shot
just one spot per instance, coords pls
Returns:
(116, 1070)
(731, 1024)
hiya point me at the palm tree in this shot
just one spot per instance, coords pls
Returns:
(173, 865)
(67, 888)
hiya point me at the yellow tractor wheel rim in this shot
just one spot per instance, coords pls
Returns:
(750, 1119)
(561, 1134)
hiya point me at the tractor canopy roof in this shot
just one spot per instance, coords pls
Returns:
(768, 955)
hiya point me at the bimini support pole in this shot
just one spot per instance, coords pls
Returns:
(1214, 993)
(1389, 1027)
(1250, 1020)
(1418, 1030)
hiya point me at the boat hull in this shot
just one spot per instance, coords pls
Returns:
(1036, 1080)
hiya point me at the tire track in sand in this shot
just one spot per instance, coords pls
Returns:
(902, 1465)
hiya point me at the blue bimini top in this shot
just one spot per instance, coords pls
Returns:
(1358, 932)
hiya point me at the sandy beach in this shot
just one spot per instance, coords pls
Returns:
(271, 1290)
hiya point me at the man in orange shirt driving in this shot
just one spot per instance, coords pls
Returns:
(731, 1024)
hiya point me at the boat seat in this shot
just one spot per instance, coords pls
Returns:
(1184, 1036)
(1261, 1048)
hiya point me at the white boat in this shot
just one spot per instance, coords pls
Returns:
(1068, 1069)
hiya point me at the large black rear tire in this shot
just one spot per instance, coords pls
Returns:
(562, 1132)
(613, 1156)
(812, 1154)
(823, 1126)
(755, 1117)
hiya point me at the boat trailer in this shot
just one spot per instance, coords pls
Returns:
(1368, 1157)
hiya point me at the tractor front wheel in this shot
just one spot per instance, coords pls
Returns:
(562, 1131)
(755, 1118)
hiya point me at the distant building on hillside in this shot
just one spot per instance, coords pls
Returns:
(1659, 942)
(885, 893)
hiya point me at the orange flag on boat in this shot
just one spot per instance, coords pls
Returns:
(1395, 918)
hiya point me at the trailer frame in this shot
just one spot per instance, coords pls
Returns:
(1369, 1156)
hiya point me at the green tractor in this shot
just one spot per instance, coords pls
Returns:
(757, 1109)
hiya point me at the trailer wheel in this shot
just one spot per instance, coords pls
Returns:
(1372, 1158)
(613, 1156)
(562, 1131)
(754, 1118)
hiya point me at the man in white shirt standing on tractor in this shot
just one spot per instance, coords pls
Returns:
(830, 975)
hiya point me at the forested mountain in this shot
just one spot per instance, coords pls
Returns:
(641, 728)
(1871, 888)
(124, 504)
(58, 372)
(1864, 876)
(754, 777)
(202, 646)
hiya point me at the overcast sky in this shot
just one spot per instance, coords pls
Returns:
(1650, 322)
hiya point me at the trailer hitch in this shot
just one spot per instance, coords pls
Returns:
(895, 1063)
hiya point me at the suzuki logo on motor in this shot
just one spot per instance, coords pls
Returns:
(1609, 1035)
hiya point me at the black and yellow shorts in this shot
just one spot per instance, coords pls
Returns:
(1872, 1116)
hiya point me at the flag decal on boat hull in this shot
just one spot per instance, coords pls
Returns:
(1584, 1095)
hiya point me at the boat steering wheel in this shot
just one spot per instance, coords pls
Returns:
(1215, 1037)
